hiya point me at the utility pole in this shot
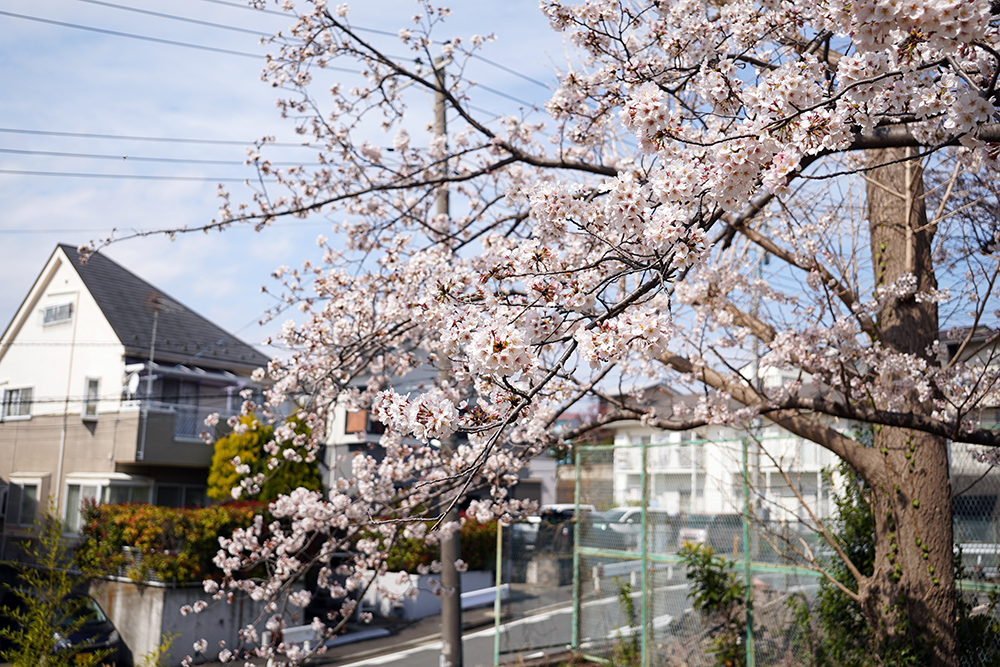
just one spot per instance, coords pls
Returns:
(451, 601)
(757, 383)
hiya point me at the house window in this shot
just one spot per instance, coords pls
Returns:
(76, 495)
(57, 314)
(116, 494)
(90, 399)
(29, 504)
(181, 495)
(16, 403)
(98, 491)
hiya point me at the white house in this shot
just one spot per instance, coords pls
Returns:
(975, 484)
(700, 471)
(105, 384)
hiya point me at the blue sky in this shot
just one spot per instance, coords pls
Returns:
(64, 79)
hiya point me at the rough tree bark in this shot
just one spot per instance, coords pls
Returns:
(910, 598)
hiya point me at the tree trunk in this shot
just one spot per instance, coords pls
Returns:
(910, 598)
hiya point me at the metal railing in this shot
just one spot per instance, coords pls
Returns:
(189, 420)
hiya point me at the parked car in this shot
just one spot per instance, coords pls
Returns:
(560, 512)
(722, 532)
(620, 529)
(86, 628)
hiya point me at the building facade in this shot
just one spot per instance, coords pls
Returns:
(105, 383)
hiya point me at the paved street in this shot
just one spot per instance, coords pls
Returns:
(544, 628)
(534, 620)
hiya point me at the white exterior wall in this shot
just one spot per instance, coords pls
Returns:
(57, 360)
(701, 472)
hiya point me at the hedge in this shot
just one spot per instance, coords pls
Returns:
(166, 543)
(177, 545)
(479, 549)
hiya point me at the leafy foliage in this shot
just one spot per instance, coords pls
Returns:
(978, 628)
(158, 656)
(479, 544)
(846, 638)
(248, 444)
(48, 610)
(169, 543)
(718, 593)
(627, 650)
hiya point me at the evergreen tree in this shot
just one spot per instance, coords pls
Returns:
(249, 444)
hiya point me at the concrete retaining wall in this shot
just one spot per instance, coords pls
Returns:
(144, 613)
(411, 596)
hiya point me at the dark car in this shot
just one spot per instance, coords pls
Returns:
(84, 629)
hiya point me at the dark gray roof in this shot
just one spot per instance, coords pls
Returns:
(182, 335)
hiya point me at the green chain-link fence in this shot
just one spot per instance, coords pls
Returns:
(632, 602)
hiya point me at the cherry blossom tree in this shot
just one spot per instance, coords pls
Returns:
(620, 237)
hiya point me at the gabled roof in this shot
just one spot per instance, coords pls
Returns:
(182, 335)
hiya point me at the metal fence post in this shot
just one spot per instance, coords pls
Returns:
(747, 571)
(575, 630)
(496, 601)
(644, 481)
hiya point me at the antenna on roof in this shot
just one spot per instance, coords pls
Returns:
(157, 302)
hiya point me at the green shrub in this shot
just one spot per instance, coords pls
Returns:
(479, 549)
(718, 593)
(172, 544)
(249, 447)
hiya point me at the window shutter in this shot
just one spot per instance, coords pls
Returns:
(356, 422)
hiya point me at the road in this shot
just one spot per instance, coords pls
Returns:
(542, 630)
(531, 628)
(547, 627)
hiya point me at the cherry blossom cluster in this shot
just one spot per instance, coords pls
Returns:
(657, 224)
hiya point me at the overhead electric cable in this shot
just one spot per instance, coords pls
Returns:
(85, 135)
(387, 33)
(510, 71)
(239, 5)
(139, 177)
(172, 17)
(133, 158)
(116, 33)
(509, 97)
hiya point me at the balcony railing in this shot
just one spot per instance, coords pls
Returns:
(189, 420)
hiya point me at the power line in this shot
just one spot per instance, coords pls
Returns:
(132, 158)
(510, 71)
(172, 17)
(238, 5)
(386, 33)
(158, 40)
(139, 177)
(84, 135)
(111, 230)
(54, 231)
(509, 97)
